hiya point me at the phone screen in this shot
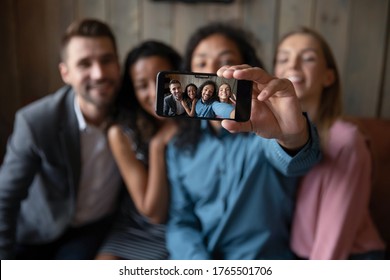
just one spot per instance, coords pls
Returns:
(202, 95)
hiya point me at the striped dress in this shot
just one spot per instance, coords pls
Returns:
(133, 237)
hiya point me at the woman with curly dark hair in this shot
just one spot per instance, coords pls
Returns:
(233, 194)
(239, 50)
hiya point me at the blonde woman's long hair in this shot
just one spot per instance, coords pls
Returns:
(331, 107)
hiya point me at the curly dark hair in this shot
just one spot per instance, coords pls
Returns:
(189, 132)
(237, 35)
(208, 82)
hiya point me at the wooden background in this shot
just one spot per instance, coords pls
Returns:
(357, 30)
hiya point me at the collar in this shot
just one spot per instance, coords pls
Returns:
(80, 118)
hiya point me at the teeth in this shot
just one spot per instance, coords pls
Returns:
(100, 87)
(295, 79)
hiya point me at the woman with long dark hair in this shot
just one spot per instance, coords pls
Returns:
(138, 138)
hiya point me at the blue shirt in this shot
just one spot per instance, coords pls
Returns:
(213, 109)
(233, 198)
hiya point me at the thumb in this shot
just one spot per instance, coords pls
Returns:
(236, 127)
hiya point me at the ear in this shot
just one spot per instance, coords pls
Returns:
(329, 78)
(64, 72)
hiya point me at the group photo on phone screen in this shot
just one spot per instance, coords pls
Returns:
(202, 95)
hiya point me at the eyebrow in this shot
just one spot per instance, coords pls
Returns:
(224, 52)
(304, 50)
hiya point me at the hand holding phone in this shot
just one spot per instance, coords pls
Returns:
(203, 95)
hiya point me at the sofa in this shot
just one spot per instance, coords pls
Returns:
(377, 132)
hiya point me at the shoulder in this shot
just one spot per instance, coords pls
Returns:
(114, 131)
(49, 105)
(346, 136)
(118, 128)
(117, 133)
(43, 119)
(217, 104)
(345, 132)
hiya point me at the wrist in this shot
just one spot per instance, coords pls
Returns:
(157, 144)
(296, 142)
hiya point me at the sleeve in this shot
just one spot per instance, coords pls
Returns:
(301, 162)
(184, 238)
(166, 106)
(344, 201)
(16, 174)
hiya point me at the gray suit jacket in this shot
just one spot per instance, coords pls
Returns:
(169, 105)
(40, 172)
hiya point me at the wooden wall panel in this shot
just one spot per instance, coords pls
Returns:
(331, 20)
(384, 103)
(223, 12)
(32, 49)
(9, 87)
(91, 8)
(365, 57)
(55, 25)
(357, 31)
(156, 22)
(294, 13)
(187, 19)
(124, 17)
(260, 19)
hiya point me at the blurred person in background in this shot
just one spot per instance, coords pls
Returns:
(138, 138)
(233, 186)
(332, 218)
(59, 183)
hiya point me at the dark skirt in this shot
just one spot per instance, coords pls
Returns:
(133, 237)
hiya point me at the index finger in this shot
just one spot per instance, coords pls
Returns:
(245, 72)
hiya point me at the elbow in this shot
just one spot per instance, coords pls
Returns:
(157, 219)
(155, 216)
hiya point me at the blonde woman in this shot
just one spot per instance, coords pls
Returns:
(332, 218)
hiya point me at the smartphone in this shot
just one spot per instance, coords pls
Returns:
(198, 95)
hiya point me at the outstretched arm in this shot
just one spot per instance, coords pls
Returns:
(148, 188)
(276, 112)
(190, 111)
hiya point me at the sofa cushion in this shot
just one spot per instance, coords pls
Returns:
(377, 132)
